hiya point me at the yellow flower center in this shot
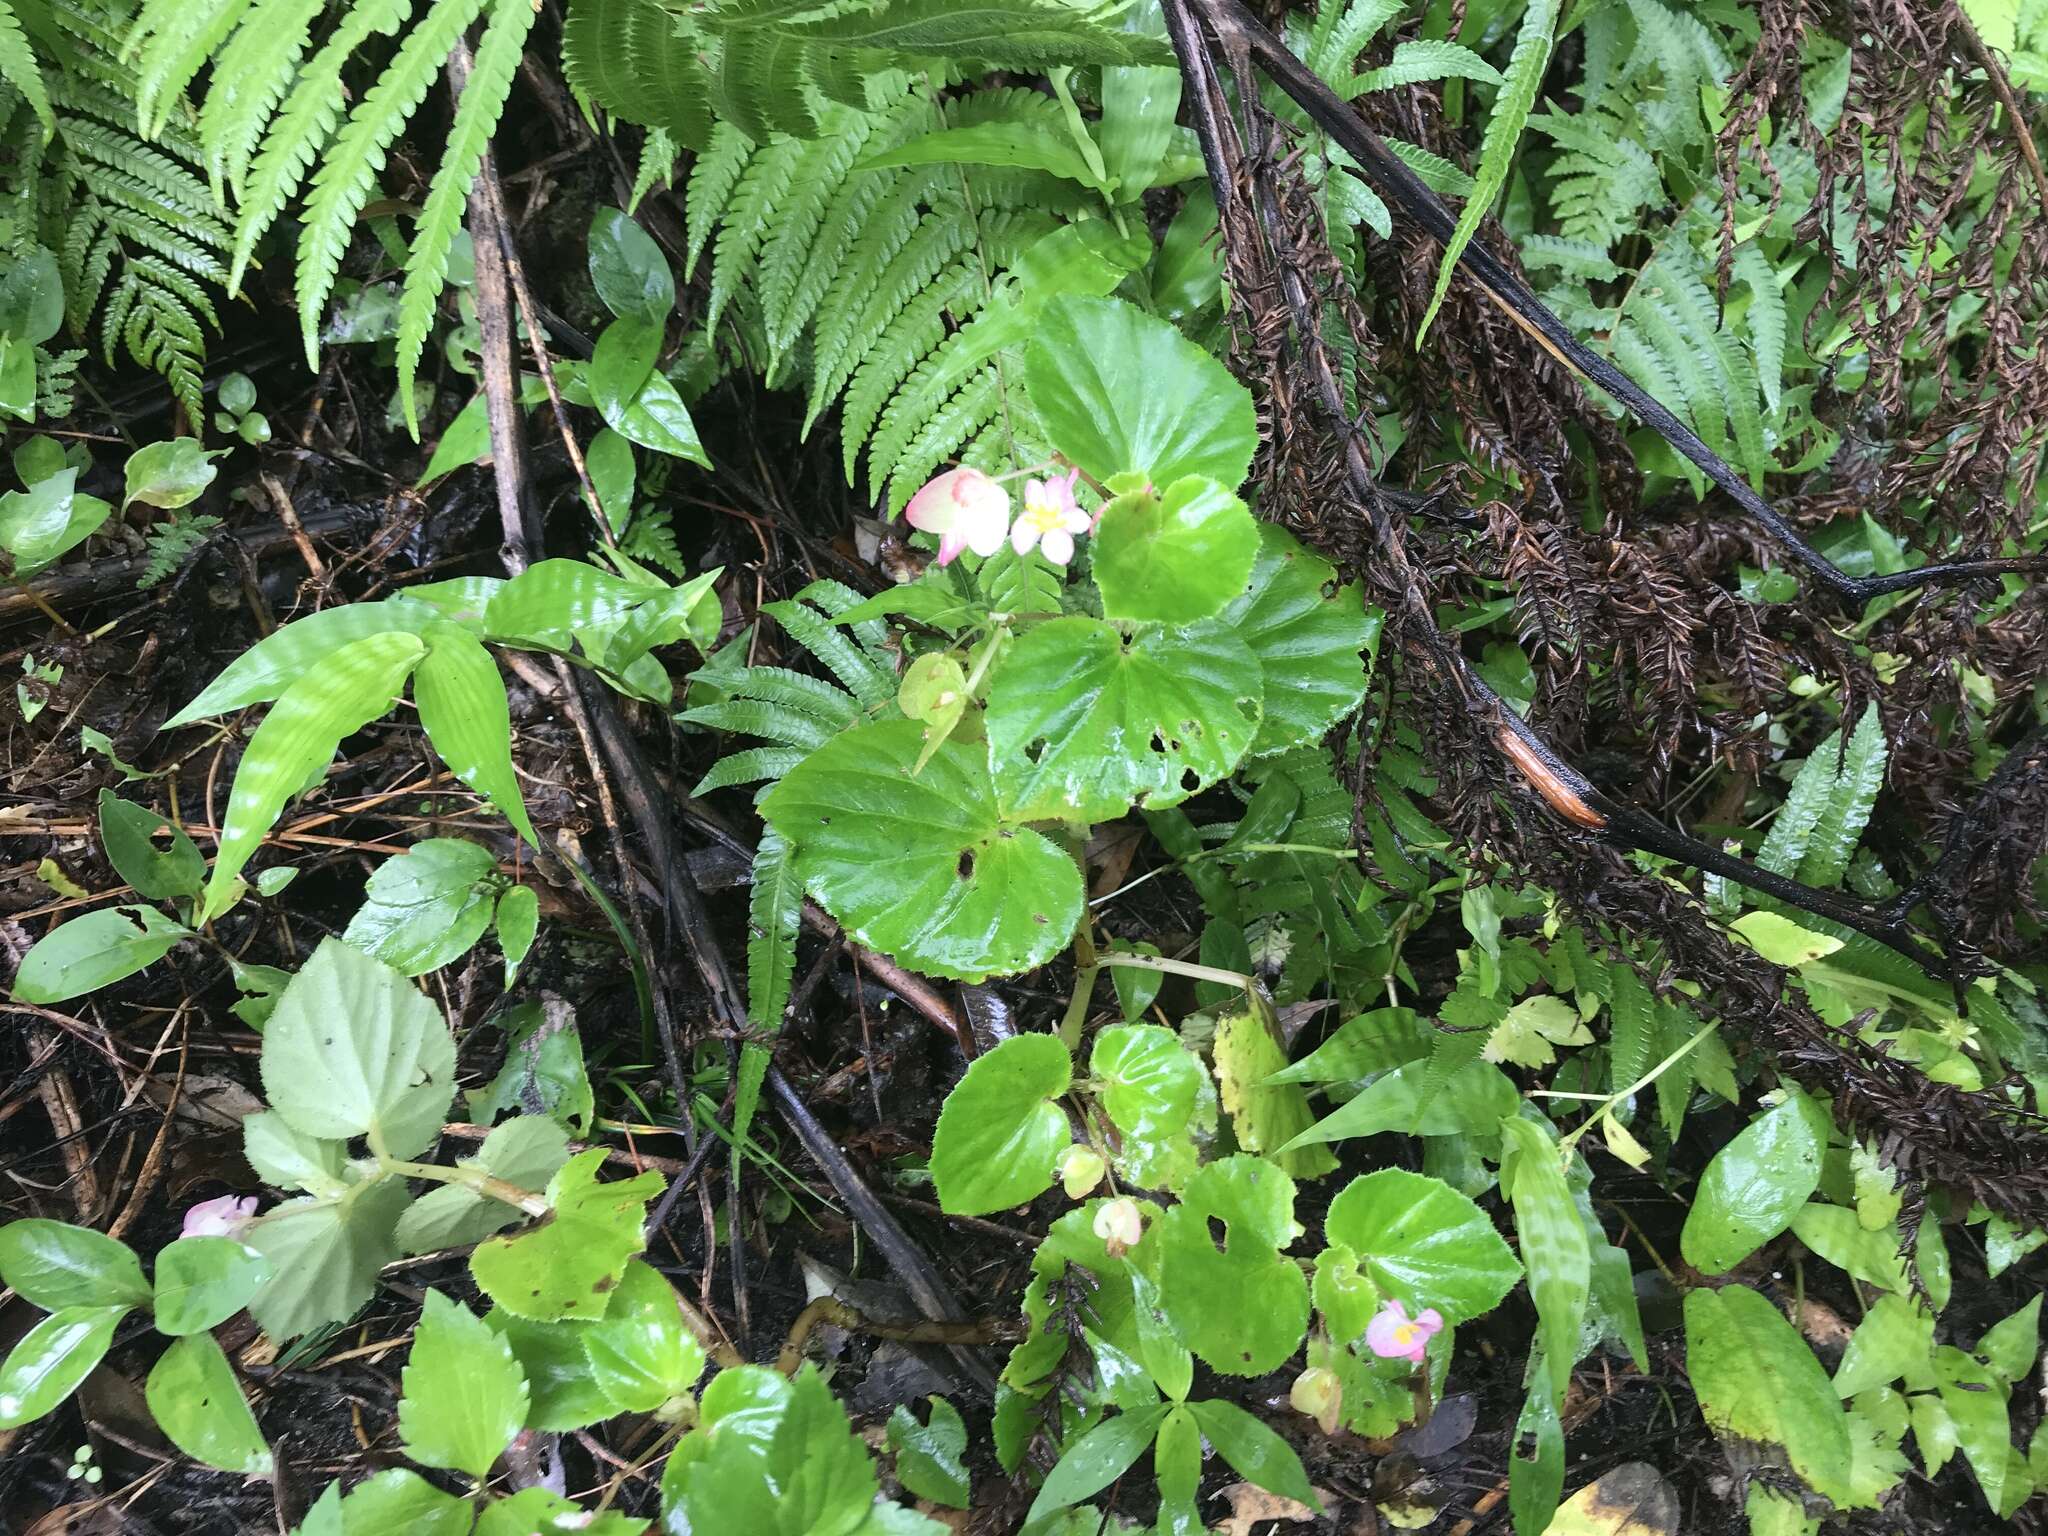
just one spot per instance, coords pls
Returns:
(1042, 515)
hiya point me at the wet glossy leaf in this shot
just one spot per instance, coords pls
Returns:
(525, 1152)
(52, 1359)
(464, 711)
(1757, 1382)
(422, 909)
(1098, 1458)
(95, 951)
(463, 1395)
(1254, 1451)
(1000, 1131)
(628, 269)
(1423, 1243)
(1242, 1306)
(1150, 1083)
(923, 868)
(195, 1399)
(355, 1049)
(204, 1281)
(1177, 555)
(1975, 1398)
(929, 1456)
(1312, 637)
(158, 872)
(348, 689)
(657, 418)
(169, 474)
(1120, 390)
(1474, 1097)
(402, 1500)
(1083, 722)
(49, 518)
(1756, 1184)
(562, 1394)
(56, 1265)
(569, 1265)
(559, 599)
(2011, 1345)
(1781, 941)
(720, 1477)
(641, 1356)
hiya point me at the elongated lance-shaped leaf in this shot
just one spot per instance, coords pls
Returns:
(342, 184)
(1555, 1250)
(1503, 133)
(463, 707)
(280, 659)
(1857, 778)
(774, 909)
(348, 690)
(440, 220)
(302, 127)
(18, 68)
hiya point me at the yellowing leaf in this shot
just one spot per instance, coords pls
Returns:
(1782, 941)
(1532, 1027)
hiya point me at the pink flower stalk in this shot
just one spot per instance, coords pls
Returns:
(224, 1217)
(1051, 519)
(1392, 1335)
(966, 509)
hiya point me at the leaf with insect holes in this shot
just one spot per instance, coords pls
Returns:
(1312, 637)
(569, 1265)
(1239, 1303)
(128, 832)
(344, 692)
(1083, 721)
(354, 1049)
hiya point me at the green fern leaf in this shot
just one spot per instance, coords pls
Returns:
(250, 78)
(440, 220)
(751, 765)
(941, 437)
(1416, 62)
(1768, 321)
(658, 156)
(761, 87)
(1503, 134)
(1340, 34)
(785, 255)
(919, 327)
(774, 913)
(865, 678)
(342, 184)
(1024, 35)
(639, 62)
(748, 219)
(303, 125)
(19, 69)
(171, 41)
(709, 193)
(771, 722)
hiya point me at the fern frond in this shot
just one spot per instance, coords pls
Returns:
(19, 69)
(763, 87)
(1414, 63)
(658, 156)
(712, 179)
(919, 327)
(342, 184)
(747, 220)
(639, 62)
(440, 221)
(774, 912)
(872, 683)
(749, 765)
(1768, 321)
(1025, 35)
(303, 125)
(941, 435)
(172, 542)
(1503, 134)
(771, 722)
(1341, 32)
(169, 42)
(250, 78)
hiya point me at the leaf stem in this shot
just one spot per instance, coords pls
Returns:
(470, 1178)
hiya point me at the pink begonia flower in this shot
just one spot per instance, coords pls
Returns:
(224, 1217)
(1051, 518)
(966, 509)
(1392, 1336)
